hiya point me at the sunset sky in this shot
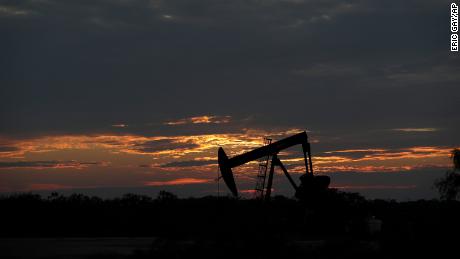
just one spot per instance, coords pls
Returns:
(112, 96)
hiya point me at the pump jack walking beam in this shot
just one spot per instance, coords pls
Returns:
(226, 164)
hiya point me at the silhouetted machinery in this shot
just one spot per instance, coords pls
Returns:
(310, 185)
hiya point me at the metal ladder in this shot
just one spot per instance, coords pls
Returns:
(262, 174)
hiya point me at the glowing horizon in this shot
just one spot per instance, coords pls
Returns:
(167, 159)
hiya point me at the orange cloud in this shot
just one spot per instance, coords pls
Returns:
(190, 152)
(375, 160)
(200, 120)
(368, 168)
(179, 181)
(250, 191)
(159, 146)
(356, 150)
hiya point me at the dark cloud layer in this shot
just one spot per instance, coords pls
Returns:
(45, 164)
(325, 65)
(189, 163)
(162, 145)
(5, 149)
(351, 72)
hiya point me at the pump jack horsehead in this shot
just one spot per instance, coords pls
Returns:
(310, 185)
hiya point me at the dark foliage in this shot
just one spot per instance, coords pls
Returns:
(449, 185)
(336, 225)
(455, 155)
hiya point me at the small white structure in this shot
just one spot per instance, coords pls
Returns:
(374, 225)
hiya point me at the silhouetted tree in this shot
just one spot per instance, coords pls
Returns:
(455, 155)
(449, 186)
(166, 196)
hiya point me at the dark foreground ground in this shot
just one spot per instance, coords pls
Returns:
(341, 225)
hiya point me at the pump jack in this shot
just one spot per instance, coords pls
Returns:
(310, 185)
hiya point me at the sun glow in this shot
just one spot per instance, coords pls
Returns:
(179, 181)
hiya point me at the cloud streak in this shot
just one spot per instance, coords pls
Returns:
(179, 181)
(416, 129)
(47, 164)
(200, 120)
(198, 152)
